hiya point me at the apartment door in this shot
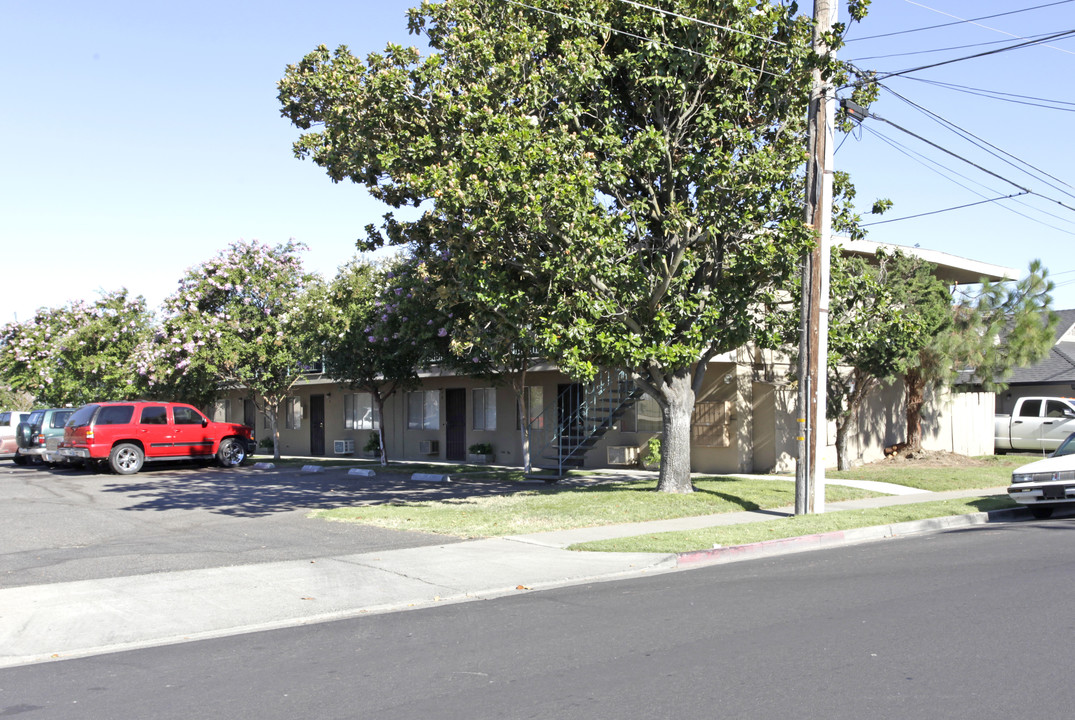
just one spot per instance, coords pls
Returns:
(317, 424)
(455, 414)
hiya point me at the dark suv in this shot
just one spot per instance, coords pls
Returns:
(40, 430)
(124, 435)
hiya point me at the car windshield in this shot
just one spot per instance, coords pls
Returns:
(1067, 447)
(82, 416)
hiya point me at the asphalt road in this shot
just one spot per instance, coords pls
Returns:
(59, 525)
(974, 623)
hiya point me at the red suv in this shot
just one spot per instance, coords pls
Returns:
(127, 434)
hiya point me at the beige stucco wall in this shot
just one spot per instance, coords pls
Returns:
(761, 431)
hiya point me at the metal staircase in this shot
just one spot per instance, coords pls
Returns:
(566, 430)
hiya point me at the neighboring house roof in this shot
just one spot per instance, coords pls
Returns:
(950, 269)
(1059, 366)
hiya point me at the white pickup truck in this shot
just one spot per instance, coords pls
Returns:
(1036, 424)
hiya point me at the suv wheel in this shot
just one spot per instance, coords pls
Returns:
(126, 459)
(232, 453)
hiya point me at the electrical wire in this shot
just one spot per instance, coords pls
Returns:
(999, 96)
(929, 164)
(1017, 46)
(609, 28)
(706, 22)
(959, 22)
(985, 27)
(983, 145)
(937, 50)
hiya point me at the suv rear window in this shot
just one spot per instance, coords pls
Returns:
(115, 415)
(83, 416)
(59, 419)
(36, 417)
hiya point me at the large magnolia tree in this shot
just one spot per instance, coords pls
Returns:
(634, 174)
(250, 318)
(77, 353)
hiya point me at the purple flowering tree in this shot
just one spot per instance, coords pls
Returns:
(386, 326)
(79, 353)
(249, 318)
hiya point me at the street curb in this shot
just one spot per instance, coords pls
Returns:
(839, 538)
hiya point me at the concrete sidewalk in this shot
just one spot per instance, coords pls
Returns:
(88, 617)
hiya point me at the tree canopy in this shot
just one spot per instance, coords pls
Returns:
(78, 353)
(385, 325)
(248, 318)
(636, 175)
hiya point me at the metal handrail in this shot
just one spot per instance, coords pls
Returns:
(563, 428)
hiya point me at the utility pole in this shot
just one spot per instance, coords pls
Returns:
(814, 324)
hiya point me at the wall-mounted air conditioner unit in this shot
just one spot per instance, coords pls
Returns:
(429, 447)
(343, 447)
(622, 455)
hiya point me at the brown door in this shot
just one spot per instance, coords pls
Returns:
(455, 413)
(317, 424)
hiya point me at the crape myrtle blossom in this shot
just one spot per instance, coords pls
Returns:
(248, 318)
(79, 352)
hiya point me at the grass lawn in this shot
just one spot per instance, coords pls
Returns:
(557, 508)
(982, 472)
(729, 535)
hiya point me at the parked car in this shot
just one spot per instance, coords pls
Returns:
(1046, 484)
(9, 422)
(33, 435)
(124, 435)
(1036, 423)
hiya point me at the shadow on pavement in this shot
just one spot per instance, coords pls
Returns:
(254, 493)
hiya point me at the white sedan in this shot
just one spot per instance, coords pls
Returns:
(1045, 484)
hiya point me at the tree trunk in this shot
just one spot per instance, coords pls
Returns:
(843, 424)
(272, 407)
(677, 406)
(380, 429)
(916, 391)
(518, 384)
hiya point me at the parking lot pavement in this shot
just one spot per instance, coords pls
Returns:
(60, 525)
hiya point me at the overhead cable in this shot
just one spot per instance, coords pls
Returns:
(958, 22)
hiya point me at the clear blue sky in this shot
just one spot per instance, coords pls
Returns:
(141, 138)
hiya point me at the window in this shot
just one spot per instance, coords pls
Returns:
(536, 403)
(1057, 409)
(711, 424)
(154, 415)
(484, 408)
(293, 413)
(648, 414)
(360, 412)
(115, 415)
(186, 416)
(423, 410)
(59, 419)
(1030, 408)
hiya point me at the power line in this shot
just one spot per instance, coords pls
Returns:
(1024, 100)
(1017, 46)
(943, 210)
(609, 28)
(706, 22)
(966, 134)
(958, 22)
(937, 50)
(929, 162)
(986, 27)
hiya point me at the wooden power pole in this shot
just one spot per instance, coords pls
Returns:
(813, 342)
